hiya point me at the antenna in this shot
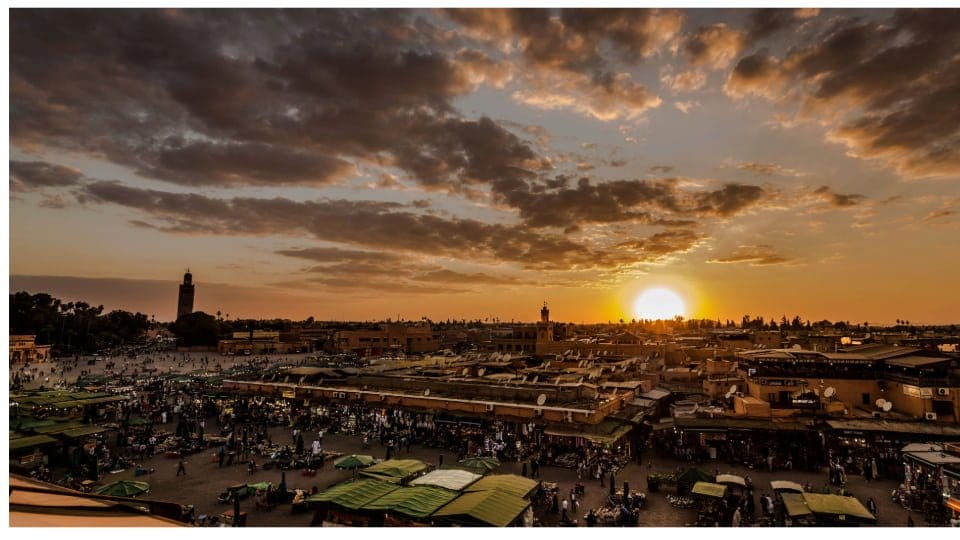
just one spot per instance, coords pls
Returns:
(541, 399)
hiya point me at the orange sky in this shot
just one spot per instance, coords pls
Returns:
(363, 164)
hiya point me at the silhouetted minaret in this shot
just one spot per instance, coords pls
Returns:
(544, 313)
(185, 300)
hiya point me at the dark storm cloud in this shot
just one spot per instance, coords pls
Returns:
(198, 163)
(837, 199)
(377, 225)
(30, 175)
(755, 255)
(894, 83)
(254, 97)
(641, 201)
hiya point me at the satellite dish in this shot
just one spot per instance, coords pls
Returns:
(733, 389)
(796, 347)
(426, 392)
(887, 406)
(541, 399)
(506, 357)
(727, 395)
(466, 371)
(830, 391)
(481, 371)
(879, 403)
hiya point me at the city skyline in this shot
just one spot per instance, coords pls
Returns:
(365, 164)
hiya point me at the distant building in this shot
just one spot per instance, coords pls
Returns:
(524, 338)
(185, 299)
(262, 342)
(388, 338)
(24, 349)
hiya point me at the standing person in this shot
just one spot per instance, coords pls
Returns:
(523, 470)
(909, 521)
(320, 437)
(221, 454)
(440, 462)
(872, 506)
(565, 505)
(181, 469)
(736, 518)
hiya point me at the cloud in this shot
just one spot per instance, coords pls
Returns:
(885, 88)
(838, 200)
(714, 46)
(768, 169)
(472, 278)
(661, 169)
(36, 175)
(242, 97)
(365, 224)
(766, 22)
(755, 255)
(757, 74)
(566, 58)
(661, 245)
(686, 106)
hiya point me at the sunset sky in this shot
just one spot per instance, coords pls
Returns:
(361, 164)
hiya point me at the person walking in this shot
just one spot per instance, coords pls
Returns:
(181, 468)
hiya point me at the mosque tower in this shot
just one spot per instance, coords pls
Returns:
(185, 299)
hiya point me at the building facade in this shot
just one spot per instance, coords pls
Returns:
(24, 349)
(389, 338)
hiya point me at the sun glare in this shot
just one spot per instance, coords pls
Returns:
(658, 303)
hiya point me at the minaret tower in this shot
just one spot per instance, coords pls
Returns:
(185, 299)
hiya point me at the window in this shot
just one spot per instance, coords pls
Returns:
(865, 399)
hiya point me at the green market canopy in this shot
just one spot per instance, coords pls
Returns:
(478, 465)
(518, 486)
(123, 488)
(483, 508)
(395, 470)
(353, 461)
(354, 495)
(32, 441)
(415, 502)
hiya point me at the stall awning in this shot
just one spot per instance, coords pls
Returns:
(606, 432)
(354, 495)
(31, 442)
(85, 431)
(795, 505)
(416, 502)
(837, 505)
(519, 486)
(723, 424)
(731, 479)
(455, 479)
(914, 428)
(494, 508)
(395, 470)
(709, 489)
(933, 459)
(784, 485)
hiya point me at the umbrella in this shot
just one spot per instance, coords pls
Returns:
(478, 465)
(123, 488)
(353, 461)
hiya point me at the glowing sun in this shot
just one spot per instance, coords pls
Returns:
(658, 303)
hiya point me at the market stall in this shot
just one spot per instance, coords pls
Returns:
(709, 499)
(491, 508)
